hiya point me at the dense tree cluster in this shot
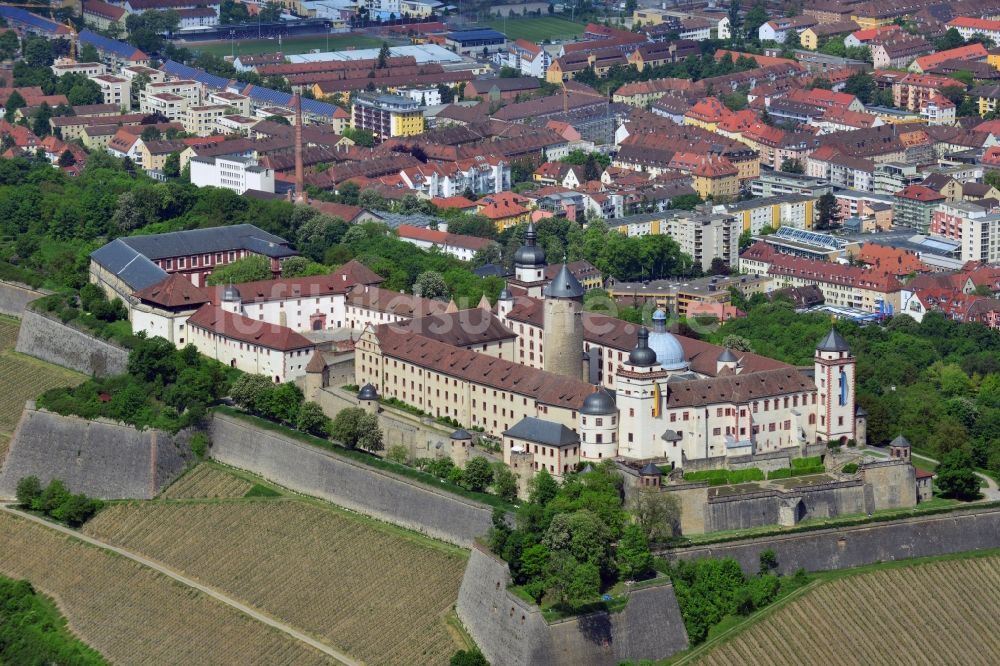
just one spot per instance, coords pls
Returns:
(572, 541)
(33, 632)
(56, 501)
(165, 388)
(937, 382)
(283, 403)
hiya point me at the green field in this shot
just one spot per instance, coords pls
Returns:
(537, 29)
(289, 46)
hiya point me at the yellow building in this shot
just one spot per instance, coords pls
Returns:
(792, 210)
(415, 9)
(869, 22)
(649, 17)
(716, 178)
(387, 116)
(505, 209)
(987, 97)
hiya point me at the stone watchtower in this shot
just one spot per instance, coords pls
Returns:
(522, 463)
(562, 337)
(649, 476)
(598, 426)
(461, 447)
(834, 375)
(368, 399)
(899, 448)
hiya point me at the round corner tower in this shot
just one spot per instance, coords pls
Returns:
(562, 337)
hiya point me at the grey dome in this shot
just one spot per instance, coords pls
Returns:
(367, 392)
(505, 294)
(727, 356)
(564, 285)
(642, 356)
(833, 342)
(461, 433)
(529, 255)
(599, 403)
(901, 442)
(231, 295)
(668, 348)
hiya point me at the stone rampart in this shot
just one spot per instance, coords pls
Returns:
(98, 458)
(14, 297)
(314, 471)
(513, 632)
(846, 547)
(51, 340)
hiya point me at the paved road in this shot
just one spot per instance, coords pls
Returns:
(215, 594)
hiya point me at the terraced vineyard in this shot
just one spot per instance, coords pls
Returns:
(23, 378)
(937, 613)
(207, 482)
(369, 590)
(133, 615)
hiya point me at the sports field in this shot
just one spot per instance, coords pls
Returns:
(378, 593)
(291, 45)
(22, 378)
(537, 29)
(939, 612)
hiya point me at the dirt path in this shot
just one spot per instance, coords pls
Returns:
(215, 594)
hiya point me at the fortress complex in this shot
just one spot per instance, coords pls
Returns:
(557, 385)
(561, 386)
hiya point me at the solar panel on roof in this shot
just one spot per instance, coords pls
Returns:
(184, 71)
(109, 45)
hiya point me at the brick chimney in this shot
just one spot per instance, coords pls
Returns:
(300, 189)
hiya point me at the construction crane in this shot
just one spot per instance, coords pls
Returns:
(50, 10)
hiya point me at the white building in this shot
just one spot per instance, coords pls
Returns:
(88, 69)
(481, 175)
(238, 174)
(166, 104)
(457, 245)
(116, 90)
(189, 91)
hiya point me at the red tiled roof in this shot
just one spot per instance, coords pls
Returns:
(973, 23)
(821, 271)
(173, 291)
(920, 193)
(237, 327)
(967, 52)
(441, 237)
(340, 281)
(453, 202)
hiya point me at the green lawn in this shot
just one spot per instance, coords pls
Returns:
(537, 29)
(289, 46)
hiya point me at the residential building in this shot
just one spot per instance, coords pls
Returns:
(705, 235)
(679, 297)
(458, 245)
(976, 227)
(387, 116)
(476, 41)
(88, 69)
(968, 26)
(898, 53)
(238, 174)
(115, 89)
(203, 120)
(787, 210)
(913, 90)
(914, 206)
(104, 16)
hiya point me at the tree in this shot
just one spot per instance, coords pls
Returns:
(792, 166)
(471, 657)
(956, 476)
(862, 85)
(67, 159)
(172, 165)
(756, 17)
(14, 102)
(384, 54)
(356, 428)
(736, 34)
(951, 39)
(248, 269)
(151, 134)
(737, 343)
(477, 474)
(504, 482)
(28, 490)
(657, 513)
(430, 284)
(768, 561)
(634, 559)
(827, 212)
(312, 420)
(685, 201)
(542, 488)
(40, 120)
(9, 45)
(252, 392)
(37, 51)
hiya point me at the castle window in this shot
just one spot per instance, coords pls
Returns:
(717, 431)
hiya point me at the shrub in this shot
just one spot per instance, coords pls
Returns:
(807, 462)
(28, 490)
(471, 657)
(261, 491)
(199, 445)
(850, 468)
(782, 473)
(398, 454)
(477, 474)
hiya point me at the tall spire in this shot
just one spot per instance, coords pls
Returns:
(300, 189)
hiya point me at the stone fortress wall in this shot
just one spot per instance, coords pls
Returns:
(99, 458)
(320, 473)
(14, 297)
(53, 341)
(846, 547)
(513, 632)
